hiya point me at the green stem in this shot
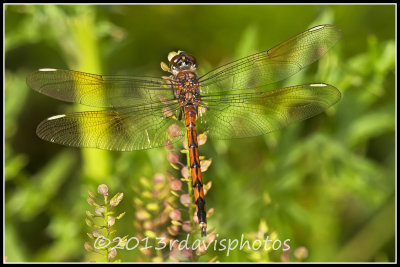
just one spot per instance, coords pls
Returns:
(106, 224)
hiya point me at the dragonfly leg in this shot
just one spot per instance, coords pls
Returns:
(180, 115)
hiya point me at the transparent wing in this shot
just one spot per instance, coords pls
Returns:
(273, 65)
(253, 114)
(125, 129)
(99, 90)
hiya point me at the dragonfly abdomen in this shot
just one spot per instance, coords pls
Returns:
(190, 123)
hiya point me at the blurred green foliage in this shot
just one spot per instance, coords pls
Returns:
(327, 184)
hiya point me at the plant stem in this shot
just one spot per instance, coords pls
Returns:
(106, 224)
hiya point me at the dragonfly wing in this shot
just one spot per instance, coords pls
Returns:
(99, 90)
(272, 65)
(252, 114)
(125, 129)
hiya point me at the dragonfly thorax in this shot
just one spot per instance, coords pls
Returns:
(187, 88)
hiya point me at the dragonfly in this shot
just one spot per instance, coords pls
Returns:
(228, 102)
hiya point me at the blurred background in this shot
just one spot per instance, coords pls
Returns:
(327, 184)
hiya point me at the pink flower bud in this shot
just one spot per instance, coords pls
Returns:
(159, 178)
(102, 190)
(173, 157)
(174, 131)
(176, 184)
(187, 253)
(175, 215)
(301, 253)
(184, 199)
(184, 172)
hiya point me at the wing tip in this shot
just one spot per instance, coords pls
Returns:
(55, 117)
(47, 69)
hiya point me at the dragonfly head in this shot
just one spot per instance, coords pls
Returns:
(182, 62)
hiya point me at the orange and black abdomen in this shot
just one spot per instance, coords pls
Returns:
(190, 123)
